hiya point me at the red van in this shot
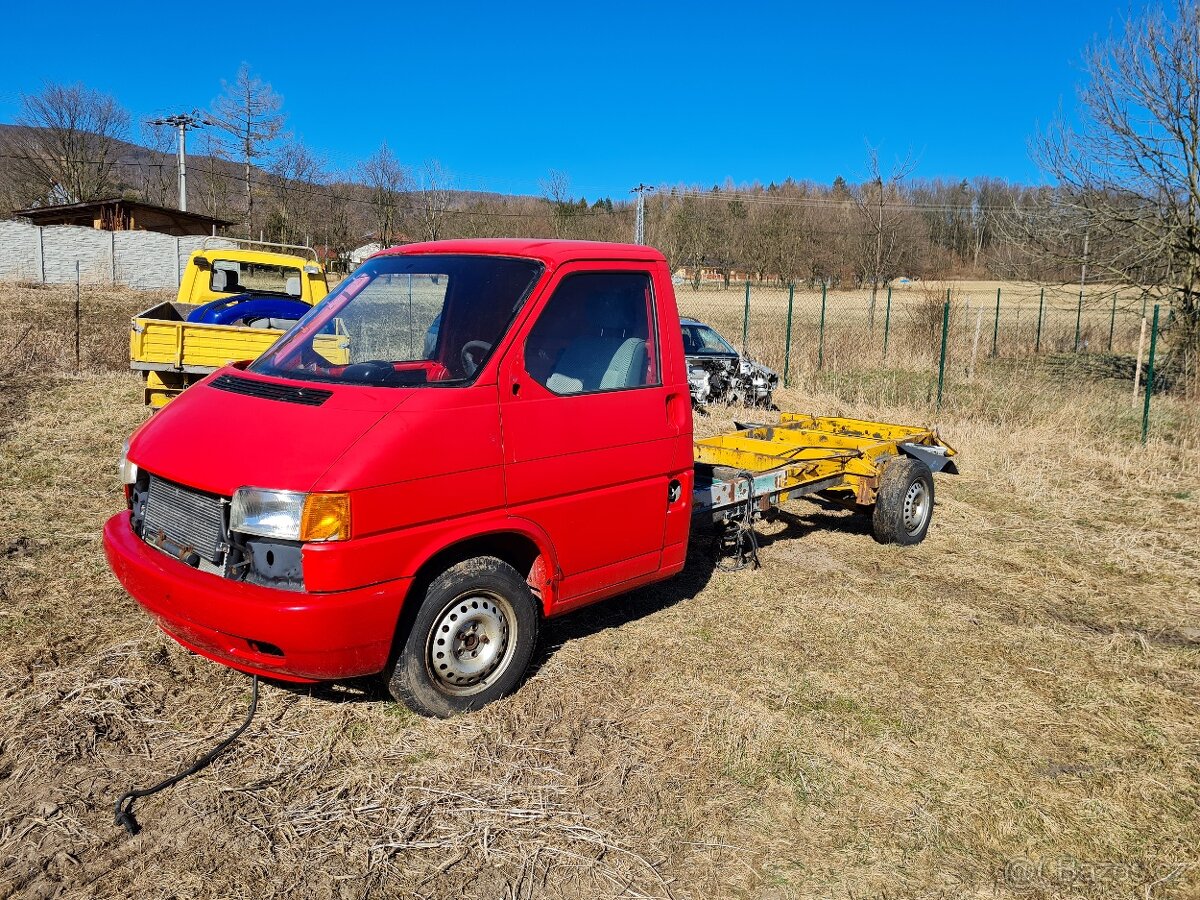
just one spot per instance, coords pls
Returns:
(510, 439)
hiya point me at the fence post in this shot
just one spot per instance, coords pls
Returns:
(112, 257)
(1137, 366)
(821, 336)
(887, 321)
(975, 344)
(1112, 321)
(996, 325)
(1037, 343)
(178, 273)
(942, 360)
(787, 341)
(41, 255)
(1149, 376)
(746, 321)
(76, 317)
(1078, 320)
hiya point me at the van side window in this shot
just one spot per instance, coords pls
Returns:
(595, 334)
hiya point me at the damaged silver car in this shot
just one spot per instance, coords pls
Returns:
(719, 374)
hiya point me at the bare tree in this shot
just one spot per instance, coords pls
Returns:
(429, 202)
(158, 180)
(387, 180)
(340, 225)
(877, 202)
(68, 143)
(1129, 175)
(213, 182)
(249, 113)
(293, 179)
(556, 190)
(691, 231)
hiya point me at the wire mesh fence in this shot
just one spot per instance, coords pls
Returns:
(931, 327)
(903, 323)
(802, 332)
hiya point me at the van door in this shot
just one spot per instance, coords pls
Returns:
(588, 443)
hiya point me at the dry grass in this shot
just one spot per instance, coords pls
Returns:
(852, 720)
(37, 327)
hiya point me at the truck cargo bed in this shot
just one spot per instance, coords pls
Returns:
(172, 352)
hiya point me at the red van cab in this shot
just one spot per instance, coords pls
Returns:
(510, 439)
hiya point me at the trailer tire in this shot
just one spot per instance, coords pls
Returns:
(904, 502)
(471, 640)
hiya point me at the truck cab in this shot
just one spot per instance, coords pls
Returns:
(503, 434)
(233, 303)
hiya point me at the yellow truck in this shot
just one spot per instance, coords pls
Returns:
(233, 303)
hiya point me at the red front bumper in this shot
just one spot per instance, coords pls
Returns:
(321, 636)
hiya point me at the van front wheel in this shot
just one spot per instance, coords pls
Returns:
(471, 641)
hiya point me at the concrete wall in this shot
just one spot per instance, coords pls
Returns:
(140, 259)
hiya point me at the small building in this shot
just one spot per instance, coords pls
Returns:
(119, 214)
(359, 255)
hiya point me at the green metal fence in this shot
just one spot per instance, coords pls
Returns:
(948, 330)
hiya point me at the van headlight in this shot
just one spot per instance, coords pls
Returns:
(129, 470)
(290, 515)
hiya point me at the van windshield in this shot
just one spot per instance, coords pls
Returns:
(406, 320)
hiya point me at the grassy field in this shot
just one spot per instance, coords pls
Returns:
(1011, 709)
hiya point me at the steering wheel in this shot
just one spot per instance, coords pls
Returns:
(468, 361)
(372, 371)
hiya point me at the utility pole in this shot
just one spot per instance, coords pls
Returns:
(639, 227)
(182, 121)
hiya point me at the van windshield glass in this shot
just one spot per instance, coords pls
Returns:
(406, 320)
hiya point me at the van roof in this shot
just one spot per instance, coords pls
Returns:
(552, 252)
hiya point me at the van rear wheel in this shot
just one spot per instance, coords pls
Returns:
(471, 641)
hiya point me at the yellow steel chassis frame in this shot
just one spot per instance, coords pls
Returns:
(801, 455)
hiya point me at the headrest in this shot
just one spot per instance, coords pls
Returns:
(292, 287)
(609, 312)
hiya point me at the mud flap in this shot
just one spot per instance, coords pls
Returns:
(934, 457)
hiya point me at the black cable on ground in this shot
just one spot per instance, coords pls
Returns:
(744, 540)
(124, 808)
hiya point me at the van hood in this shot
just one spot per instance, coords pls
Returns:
(219, 440)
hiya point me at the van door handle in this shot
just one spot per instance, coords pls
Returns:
(677, 409)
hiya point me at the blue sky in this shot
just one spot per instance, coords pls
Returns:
(611, 93)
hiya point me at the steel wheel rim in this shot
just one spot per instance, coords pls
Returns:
(471, 642)
(916, 507)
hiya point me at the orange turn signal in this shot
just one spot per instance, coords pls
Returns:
(326, 517)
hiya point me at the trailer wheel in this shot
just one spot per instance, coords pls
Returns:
(904, 502)
(471, 640)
